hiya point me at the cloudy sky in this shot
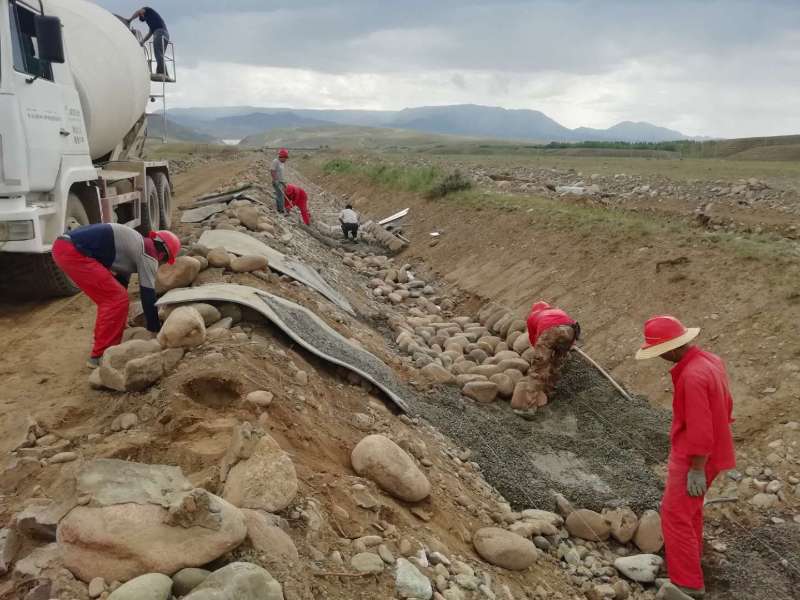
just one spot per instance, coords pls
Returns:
(705, 67)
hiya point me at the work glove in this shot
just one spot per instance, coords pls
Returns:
(696, 482)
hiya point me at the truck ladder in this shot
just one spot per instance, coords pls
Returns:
(158, 89)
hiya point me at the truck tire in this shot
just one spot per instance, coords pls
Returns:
(164, 199)
(150, 220)
(36, 275)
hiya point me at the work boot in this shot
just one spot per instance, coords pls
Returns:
(670, 591)
(93, 362)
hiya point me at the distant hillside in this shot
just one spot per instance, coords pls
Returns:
(350, 138)
(465, 120)
(176, 132)
(782, 147)
(628, 131)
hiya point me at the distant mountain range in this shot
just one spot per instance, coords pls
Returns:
(464, 120)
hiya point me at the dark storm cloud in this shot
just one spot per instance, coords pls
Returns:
(719, 67)
(569, 36)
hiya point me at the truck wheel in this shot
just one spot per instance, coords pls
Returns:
(36, 275)
(164, 199)
(150, 208)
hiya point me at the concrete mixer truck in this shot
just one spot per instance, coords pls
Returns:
(74, 84)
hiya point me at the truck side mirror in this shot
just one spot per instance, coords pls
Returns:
(49, 39)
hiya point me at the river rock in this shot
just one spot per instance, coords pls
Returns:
(410, 583)
(9, 546)
(209, 312)
(643, 568)
(153, 586)
(143, 519)
(623, 523)
(238, 581)
(481, 391)
(183, 328)
(177, 275)
(218, 257)
(588, 525)
(648, 537)
(505, 385)
(269, 539)
(247, 264)
(260, 398)
(436, 373)
(185, 580)
(367, 562)
(387, 464)
(504, 548)
(118, 356)
(265, 481)
(249, 217)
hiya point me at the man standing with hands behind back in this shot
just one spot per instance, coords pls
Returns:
(279, 179)
(701, 447)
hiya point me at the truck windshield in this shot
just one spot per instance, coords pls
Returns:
(24, 45)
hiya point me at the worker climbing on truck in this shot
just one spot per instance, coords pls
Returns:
(279, 179)
(296, 196)
(701, 447)
(551, 333)
(159, 33)
(100, 259)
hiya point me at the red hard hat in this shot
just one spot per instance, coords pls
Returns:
(170, 241)
(539, 306)
(283, 153)
(664, 333)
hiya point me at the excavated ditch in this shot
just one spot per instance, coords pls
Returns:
(590, 444)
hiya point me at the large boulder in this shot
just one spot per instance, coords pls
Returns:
(504, 548)
(623, 523)
(184, 328)
(410, 583)
(643, 568)
(118, 356)
(137, 374)
(153, 586)
(384, 462)
(238, 581)
(648, 537)
(264, 481)
(177, 275)
(588, 525)
(143, 519)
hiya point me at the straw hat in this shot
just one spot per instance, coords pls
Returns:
(662, 334)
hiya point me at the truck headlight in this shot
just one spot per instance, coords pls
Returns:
(16, 231)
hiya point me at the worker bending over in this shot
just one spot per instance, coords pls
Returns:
(701, 446)
(279, 179)
(349, 221)
(100, 259)
(551, 332)
(158, 31)
(296, 196)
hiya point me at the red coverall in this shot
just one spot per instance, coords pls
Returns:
(296, 196)
(702, 413)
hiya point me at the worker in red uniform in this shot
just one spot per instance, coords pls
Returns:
(296, 196)
(701, 447)
(100, 259)
(552, 333)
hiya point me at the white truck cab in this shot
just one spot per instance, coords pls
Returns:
(74, 85)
